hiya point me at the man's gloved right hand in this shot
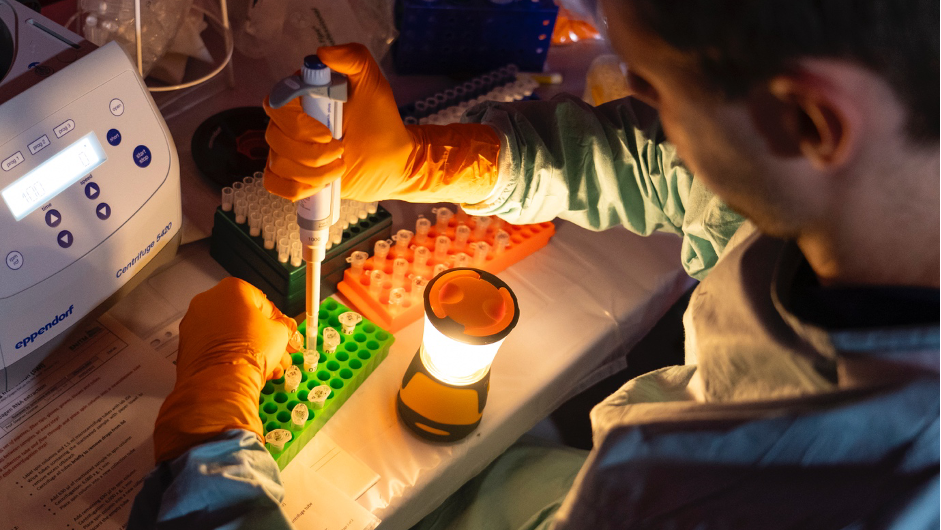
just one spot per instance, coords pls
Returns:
(379, 157)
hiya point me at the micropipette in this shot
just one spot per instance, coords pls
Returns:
(322, 95)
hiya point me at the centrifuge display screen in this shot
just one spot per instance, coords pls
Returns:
(66, 167)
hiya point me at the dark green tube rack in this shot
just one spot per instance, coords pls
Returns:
(244, 256)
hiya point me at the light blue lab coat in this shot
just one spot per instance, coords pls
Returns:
(768, 408)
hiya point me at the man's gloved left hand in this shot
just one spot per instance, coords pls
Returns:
(232, 339)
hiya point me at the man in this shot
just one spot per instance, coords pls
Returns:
(810, 394)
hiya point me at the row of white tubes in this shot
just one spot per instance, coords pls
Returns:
(275, 218)
(515, 91)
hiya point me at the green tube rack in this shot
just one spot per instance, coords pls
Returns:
(344, 371)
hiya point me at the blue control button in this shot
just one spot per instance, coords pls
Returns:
(142, 156)
(114, 137)
(103, 211)
(14, 260)
(53, 218)
(92, 191)
(65, 239)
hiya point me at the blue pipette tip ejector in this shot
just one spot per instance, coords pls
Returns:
(313, 62)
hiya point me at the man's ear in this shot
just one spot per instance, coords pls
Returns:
(818, 117)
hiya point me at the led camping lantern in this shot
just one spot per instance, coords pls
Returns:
(468, 314)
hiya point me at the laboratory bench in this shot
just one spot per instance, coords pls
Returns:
(585, 300)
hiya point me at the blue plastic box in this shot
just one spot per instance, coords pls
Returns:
(472, 36)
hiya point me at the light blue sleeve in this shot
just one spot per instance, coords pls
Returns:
(230, 482)
(598, 167)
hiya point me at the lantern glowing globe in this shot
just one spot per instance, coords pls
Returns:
(468, 315)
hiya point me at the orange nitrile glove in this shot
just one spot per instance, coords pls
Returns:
(232, 339)
(379, 157)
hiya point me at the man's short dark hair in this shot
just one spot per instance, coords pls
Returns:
(741, 42)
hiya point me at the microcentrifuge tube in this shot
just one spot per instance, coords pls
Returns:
(397, 296)
(311, 358)
(439, 268)
(277, 438)
(289, 208)
(259, 176)
(294, 236)
(422, 225)
(481, 224)
(269, 234)
(237, 185)
(284, 249)
(299, 415)
(399, 270)
(241, 210)
(297, 341)
(248, 181)
(376, 279)
(461, 259)
(461, 234)
(442, 244)
(292, 378)
(420, 262)
(331, 339)
(254, 224)
(444, 215)
(418, 288)
(402, 239)
(380, 251)
(292, 226)
(361, 210)
(501, 241)
(228, 198)
(318, 396)
(349, 320)
(280, 224)
(481, 249)
(356, 260)
(296, 252)
(372, 207)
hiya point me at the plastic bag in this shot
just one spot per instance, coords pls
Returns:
(606, 80)
(284, 31)
(105, 20)
(569, 29)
